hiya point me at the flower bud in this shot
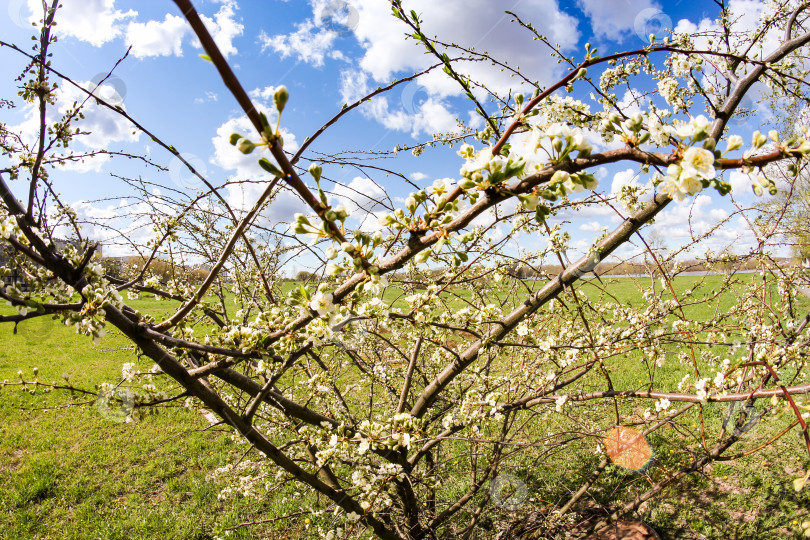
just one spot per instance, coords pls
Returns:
(559, 177)
(280, 97)
(674, 171)
(734, 142)
(341, 211)
(315, 170)
(466, 237)
(245, 146)
(529, 201)
(466, 184)
(265, 164)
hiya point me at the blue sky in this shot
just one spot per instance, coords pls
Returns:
(328, 52)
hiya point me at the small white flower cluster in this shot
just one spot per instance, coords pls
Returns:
(689, 177)
(128, 371)
(150, 393)
(372, 307)
(321, 302)
(320, 330)
(423, 304)
(360, 251)
(373, 482)
(475, 410)
(557, 241)
(560, 403)
(303, 226)
(612, 77)
(684, 383)
(375, 283)
(683, 64)
(246, 337)
(631, 130)
(662, 405)
(562, 141)
(695, 170)
(700, 386)
(98, 294)
(396, 432)
(244, 480)
(8, 227)
(484, 170)
(672, 92)
(565, 110)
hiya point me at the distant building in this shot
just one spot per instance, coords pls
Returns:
(16, 277)
(5, 259)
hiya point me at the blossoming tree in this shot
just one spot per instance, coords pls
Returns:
(416, 377)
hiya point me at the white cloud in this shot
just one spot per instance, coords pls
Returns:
(360, 195)
(209, 96)
(745, 16)
(224, 28)
(242, 195)
(285, 204)
(418, 176)
(740, 184)
(591, 226)
(243, 165)
(612, 19)
(231, 159)
(93, 21)
(481, 24)
(87, 164)
(118, 226)
(632, 102)
(627, 177)
(101, 125)
(308, 43)
(685, 26)
(430, 116)
(165, 38)
(685, 221)
(154, 38)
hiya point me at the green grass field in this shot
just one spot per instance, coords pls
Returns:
(66, 471)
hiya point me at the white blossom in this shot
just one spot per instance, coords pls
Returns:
(322, 303)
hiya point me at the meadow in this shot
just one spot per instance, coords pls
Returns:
(66, 471)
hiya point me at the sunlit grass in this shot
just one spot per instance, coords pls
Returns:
(69, 472)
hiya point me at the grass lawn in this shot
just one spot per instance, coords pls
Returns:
(68, 472)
